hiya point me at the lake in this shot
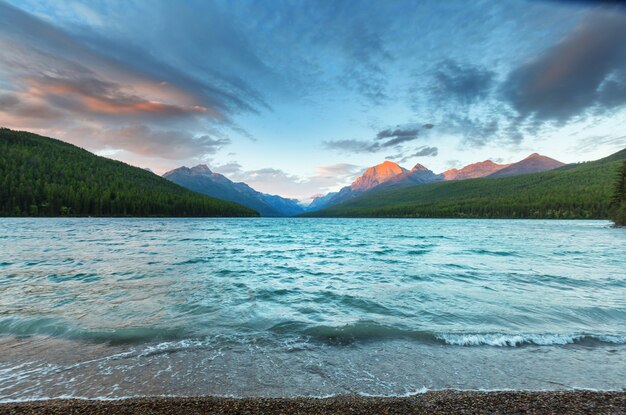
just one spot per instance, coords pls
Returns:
(109, 308)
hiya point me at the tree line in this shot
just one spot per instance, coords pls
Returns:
(41, 176)
(618, 214)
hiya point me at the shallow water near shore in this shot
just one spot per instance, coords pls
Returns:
(108, 308)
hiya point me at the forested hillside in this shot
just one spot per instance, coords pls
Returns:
(41, 176)
(619, 197)
(580, 191)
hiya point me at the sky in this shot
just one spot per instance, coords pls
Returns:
(297, 98)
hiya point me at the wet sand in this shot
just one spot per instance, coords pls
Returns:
(441, 402)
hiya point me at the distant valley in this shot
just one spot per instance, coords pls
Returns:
(202, 180)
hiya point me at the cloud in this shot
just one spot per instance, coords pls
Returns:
(478, 131)
(59, 81)
(464, 83)
(423, 151)
(36, 46)
(148, 142)
(86, 93)
(351, 146)
(338, 170)
(277, 181)
(460, 98)
(398, 132)
(20, 107)
(362, 146)
(583, 73)
(592, 143)
(387, 138)
(229, 168)
(359, 36)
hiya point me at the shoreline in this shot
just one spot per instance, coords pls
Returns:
(432, 402)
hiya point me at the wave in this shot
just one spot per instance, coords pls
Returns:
(56, 328)
(194, 261)
(371, 331)
(516, 340)
(489, 252)
(418, 252)
(345, 335)
(363, 332)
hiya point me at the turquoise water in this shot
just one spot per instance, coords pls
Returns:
(283, 307)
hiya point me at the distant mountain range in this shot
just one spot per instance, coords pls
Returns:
(202, 180)
(384, 176)
(531, 188)
(389, 175)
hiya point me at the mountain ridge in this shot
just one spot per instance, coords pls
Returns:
(573, 191)
(534, 163)
(390, 175)
(383, 175)
(202, 179)
(474, 170)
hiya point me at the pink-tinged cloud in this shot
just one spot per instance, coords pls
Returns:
(106, 98)
(56, 83)
(22, 106)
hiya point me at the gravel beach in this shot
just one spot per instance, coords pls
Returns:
(441, 402)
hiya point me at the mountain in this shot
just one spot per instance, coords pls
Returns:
(41, 176)
(385, 175)
(320, 201)
(534, 163)
(202, 180)
(284, 206)
(389, 175)
(576, 191)
(417, 175)
(376, 175)
(473, 171)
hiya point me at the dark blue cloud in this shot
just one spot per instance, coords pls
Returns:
(585, 71)
(465, 83)
(423, 151)
(384, 139)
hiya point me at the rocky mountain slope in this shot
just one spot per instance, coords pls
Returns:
(534, 163)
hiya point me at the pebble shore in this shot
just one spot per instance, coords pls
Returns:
(441, 402)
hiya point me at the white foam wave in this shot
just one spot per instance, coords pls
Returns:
(514, 340)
